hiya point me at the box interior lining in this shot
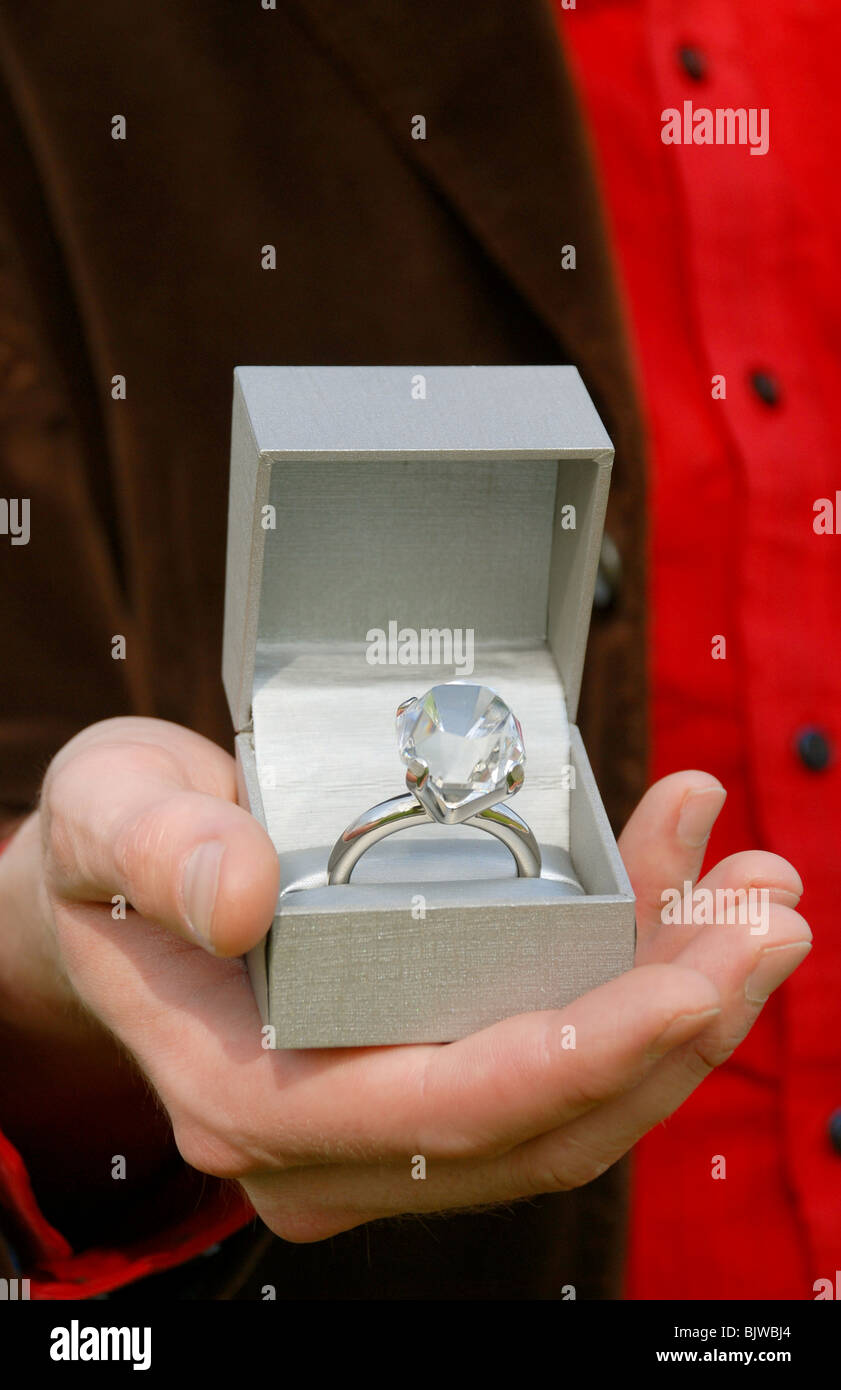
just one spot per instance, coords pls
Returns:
(326, 748)
(353, 549)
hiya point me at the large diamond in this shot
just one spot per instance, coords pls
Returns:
(467, 737)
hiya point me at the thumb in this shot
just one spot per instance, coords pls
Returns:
(664, 842)
(132, 818)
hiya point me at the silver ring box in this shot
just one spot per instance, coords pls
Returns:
(447, 499)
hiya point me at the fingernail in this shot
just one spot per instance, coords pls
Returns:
(697, 815)
(198, 889)
(679, 1030)
(784, 897)
(775, 965)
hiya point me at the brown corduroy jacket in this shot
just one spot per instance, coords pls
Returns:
(290, 127)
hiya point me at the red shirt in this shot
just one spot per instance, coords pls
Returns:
(730, 265)
(55, 1271)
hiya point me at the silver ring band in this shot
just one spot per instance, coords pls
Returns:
(402, 812)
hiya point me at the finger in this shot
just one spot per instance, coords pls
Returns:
(664, 841)
(534, 1071)
(593, 1142)
(482, 1094)
(480, 1098)
(196, 761)
(736, 892)
(311, 1203)
(236, 1107)
(153, 822)
(747, 968)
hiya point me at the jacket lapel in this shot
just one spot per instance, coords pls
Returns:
(504, 145)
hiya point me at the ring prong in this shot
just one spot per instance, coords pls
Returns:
(515, 778)
(404, 705)
(417, 773)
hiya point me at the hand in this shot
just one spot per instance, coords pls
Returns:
(323, 1140)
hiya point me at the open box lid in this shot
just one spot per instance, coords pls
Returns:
(355, 489)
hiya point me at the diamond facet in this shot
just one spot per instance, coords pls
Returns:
(468, 738)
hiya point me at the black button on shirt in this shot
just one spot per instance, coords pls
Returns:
(693, 62)
(814, 749)
(766, 387)
(834, 1131)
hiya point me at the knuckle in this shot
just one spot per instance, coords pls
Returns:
(79, 807)
(113, 730)
(305, 1225)
(566, 1165)
(704, 1055)
(550, 1176)
(707, 1054)
(221, 1141)
(139, 839)
(590, 1090)
(212, 1152)
(101, 762)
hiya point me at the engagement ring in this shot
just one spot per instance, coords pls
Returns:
(464, 753)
